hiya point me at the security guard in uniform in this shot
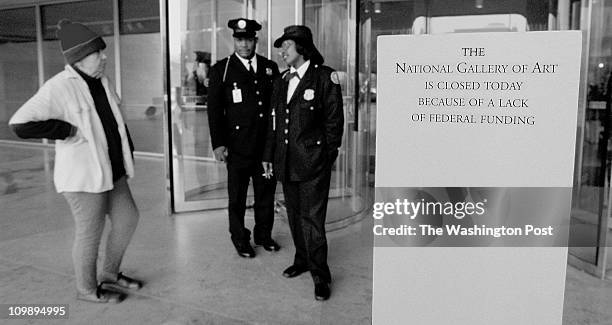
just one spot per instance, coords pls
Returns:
(304, 134)
(238, 99)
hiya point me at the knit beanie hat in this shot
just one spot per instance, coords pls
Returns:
(77, 41)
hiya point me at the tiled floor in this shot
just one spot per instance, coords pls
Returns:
(192, 273)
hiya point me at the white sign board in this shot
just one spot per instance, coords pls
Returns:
(474, 168)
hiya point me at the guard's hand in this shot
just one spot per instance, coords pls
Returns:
(267, 167)
(220, 153)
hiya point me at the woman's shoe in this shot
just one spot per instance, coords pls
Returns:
(123, 282)
(102, 296)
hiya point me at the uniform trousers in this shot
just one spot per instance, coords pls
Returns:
(238, 177)
(89, 211)
(306, 203)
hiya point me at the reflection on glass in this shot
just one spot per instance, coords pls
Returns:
(18, 64)
(199, 181)
(591, 188)
(260, 14)
(226, 10)
(393, 17)
(282, 16)
(329, 22)
(478, 24)
(138, 16)
(536, 13)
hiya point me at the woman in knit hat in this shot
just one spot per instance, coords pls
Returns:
(93, 159)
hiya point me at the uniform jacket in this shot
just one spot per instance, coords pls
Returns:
(82, 163)
(241, 127)
(306, 133)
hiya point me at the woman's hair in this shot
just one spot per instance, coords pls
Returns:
(305, 52)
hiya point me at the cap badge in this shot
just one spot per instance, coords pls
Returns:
(242, 24)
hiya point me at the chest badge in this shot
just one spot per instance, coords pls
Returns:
(236, 94)
(309, 94)
(268, 71)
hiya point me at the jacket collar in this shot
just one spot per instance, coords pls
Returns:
(71, 72)
(245, 62)
(301, 71)
(236, 63)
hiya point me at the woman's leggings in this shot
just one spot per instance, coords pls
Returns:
(89, 211)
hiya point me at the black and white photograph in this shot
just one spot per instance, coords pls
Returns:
(183, 162)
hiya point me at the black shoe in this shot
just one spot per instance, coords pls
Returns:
(122, 282)
(269, 244)
(102, 296)
(293, 271)
(321, 291)
(244, 249)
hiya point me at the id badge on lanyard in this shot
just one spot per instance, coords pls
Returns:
(236, 94)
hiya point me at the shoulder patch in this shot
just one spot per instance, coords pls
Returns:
(335, 78)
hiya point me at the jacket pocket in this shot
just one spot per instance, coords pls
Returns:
(313, 142)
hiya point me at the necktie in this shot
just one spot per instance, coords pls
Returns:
(251, 70)
(290, 76)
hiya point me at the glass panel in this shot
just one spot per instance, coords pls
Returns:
(97, 15)
(18, 64)
(590, 204)
(329, 22)
(600, 75)
(199, 182)
(138, 16)
(282, 16)
(260, 14)
(383, 18)
(141, 73)
(481, 23)
(489, 16)
(226, 10)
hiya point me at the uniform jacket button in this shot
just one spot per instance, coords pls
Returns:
(287, 111)
(286, 141)
(260, 103)
(286, 120)
(286, 131)
(311, 108)
(260, 114)
(318, 142)
(237, 127)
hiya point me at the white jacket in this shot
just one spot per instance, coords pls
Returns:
(82, 163)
